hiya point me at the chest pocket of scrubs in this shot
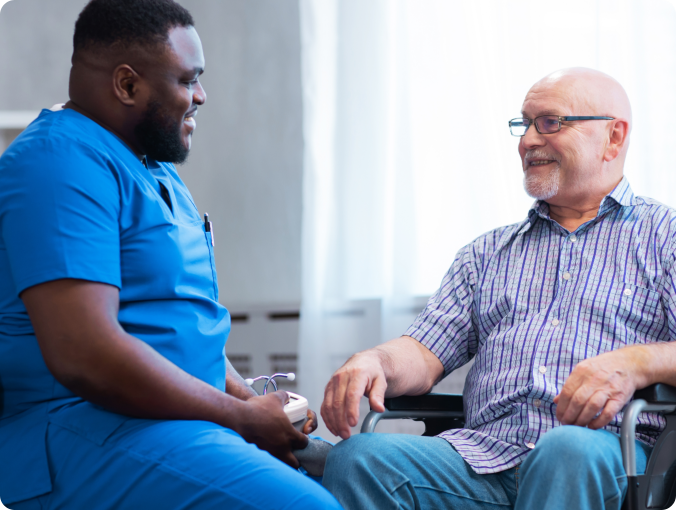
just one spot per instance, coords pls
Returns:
(165, 260)
(210, 246)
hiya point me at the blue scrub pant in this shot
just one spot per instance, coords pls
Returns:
(569, 468)
(156, 464)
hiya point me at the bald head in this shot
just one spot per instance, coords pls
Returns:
(588, 91)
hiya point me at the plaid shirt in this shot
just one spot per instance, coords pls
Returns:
(529, 301)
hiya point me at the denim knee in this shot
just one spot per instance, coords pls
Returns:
(571, 440)
(578, 449)
(352, 452)
(351, 471)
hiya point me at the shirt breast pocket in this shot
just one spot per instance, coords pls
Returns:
(623, 313)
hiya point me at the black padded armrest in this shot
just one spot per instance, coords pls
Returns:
(659, 393)
(428, 402)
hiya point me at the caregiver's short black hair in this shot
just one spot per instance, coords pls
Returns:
(122, 24)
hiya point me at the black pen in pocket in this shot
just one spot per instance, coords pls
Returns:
(209, 227)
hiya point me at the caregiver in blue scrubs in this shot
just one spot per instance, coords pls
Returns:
(113, 374)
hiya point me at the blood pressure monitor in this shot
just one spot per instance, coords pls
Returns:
(313, 457)
(296, 410)
(297, 406)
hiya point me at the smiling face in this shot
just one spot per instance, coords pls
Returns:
(562, 163)
(165, 130)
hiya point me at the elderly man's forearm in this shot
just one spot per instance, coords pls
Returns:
(655, 363)
(410, 368)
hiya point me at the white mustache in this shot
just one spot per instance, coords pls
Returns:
(538, 154)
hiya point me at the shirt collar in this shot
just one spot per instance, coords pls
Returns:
(622, 194)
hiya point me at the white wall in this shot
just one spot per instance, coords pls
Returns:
(245, 166)
(246, 169)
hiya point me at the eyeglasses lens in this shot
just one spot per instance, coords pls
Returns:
(548, 124)
(518, 127)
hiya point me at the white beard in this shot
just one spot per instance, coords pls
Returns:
(542, 187)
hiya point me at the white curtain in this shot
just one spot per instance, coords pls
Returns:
(407, 151)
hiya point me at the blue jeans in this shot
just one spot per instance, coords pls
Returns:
(570, 468)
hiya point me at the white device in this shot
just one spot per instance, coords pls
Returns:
(297, 406)
(296, 410)
(313, 456)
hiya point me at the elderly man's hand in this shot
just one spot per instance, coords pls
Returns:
(361, 375)
(599, 387)
(402, 366)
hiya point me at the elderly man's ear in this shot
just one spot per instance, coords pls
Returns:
(617, 138)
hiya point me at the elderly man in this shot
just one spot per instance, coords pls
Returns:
(112, 339)
(565, 314)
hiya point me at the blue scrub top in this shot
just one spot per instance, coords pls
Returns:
(75, 202)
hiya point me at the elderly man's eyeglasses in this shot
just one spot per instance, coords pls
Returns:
(545, 124)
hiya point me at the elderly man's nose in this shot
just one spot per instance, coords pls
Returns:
(532, 138)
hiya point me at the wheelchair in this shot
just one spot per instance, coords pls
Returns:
(656, 489)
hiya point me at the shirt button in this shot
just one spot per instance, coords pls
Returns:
(555, 322)
(627, 292)
(530, 445)
(542, 369)
(566, 276)
(537, 402)
(572, 239)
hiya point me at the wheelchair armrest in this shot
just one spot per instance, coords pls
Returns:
(439, 412)
(428, 402)
(659, 393)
